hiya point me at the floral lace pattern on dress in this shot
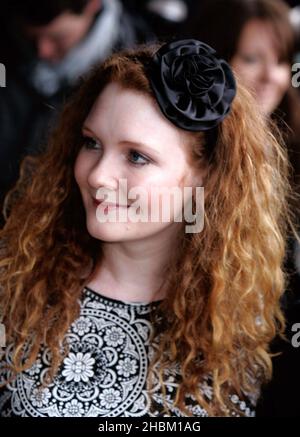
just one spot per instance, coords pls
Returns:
(104, 373)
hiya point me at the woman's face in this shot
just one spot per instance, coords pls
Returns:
(129, 146)
(258, 65)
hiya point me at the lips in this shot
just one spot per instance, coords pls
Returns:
(109, 205)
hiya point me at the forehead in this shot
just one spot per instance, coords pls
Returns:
(131, 113)
(60, 24)
(259, 34)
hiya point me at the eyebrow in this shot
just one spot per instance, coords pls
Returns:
(136, 144)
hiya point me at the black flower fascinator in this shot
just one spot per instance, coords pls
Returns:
(193, 87)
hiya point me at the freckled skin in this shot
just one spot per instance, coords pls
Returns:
(118, 116)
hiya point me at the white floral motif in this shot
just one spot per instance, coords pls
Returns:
(35, 368)
(82, 325)
(114, 336)
(40, 397)
(73, 409)
(78, 367)
(110, 398)
(127, 367)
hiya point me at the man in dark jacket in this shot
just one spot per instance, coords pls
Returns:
(45, 47)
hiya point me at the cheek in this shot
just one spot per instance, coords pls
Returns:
(249, 74)
(74, 33)
(80, 170)
(172, 183)
(165, 179)
(153, 190)
(284, 79)
(252, 76)
(153, 177)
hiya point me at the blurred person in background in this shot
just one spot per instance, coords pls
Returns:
(257, 38)
(46, 46)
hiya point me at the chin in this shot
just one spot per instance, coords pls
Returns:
(122, 232)
(109, 232)
(267, 105)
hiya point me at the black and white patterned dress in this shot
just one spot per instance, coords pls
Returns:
(104, 373)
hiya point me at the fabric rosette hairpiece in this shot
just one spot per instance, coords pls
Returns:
(193, 87)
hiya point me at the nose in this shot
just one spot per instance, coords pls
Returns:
(46, 49)
(105, 173)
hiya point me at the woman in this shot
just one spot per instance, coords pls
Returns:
(142, 317)
(256, 37)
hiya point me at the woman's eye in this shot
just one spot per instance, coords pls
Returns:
(138, 159)
(90, 143)
(249, 58)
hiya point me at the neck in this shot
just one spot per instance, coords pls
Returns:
(132, 271)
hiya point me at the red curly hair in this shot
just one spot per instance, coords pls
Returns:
(224, 284)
